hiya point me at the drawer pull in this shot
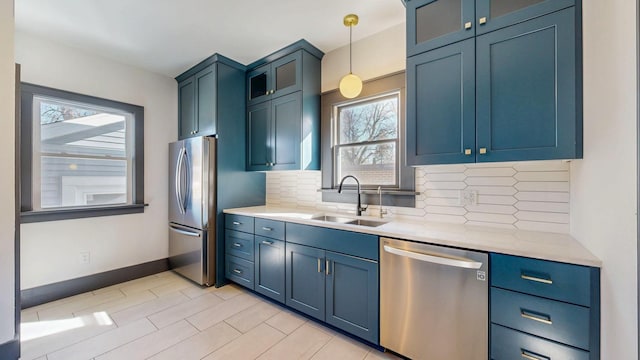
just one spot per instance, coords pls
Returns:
(532, 356)
(545, 319)
(237, 271)
(237, 245)
(536, 279)
(326, 269)
(267, 242)
(237, 223)
(267, 228)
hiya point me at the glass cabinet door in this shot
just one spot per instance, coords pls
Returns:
(495, 14)
(286, 74)
(258, 84)
(435, 23)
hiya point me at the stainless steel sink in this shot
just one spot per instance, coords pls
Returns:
(364, 222)
(346, 220)
(336, 219)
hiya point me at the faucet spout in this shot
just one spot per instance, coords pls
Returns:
(359, 208)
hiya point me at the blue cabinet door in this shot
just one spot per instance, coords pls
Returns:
(526, 91)
(441, 105)
(305, 287)
(186, 108)
(286, 117)
(495, 14)
(435, 23)
(259, 85)
(286, 74)
(258, 136)
(352, 295)
(206, 102)
(269, 268)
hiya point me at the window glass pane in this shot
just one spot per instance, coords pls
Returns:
(68, 181)
(371, 164)
(81, 154)
(368, 121)
(286, 75)
(438, 18)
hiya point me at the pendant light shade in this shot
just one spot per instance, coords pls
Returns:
(350, 84)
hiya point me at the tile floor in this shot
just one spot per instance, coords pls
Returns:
(164, 316)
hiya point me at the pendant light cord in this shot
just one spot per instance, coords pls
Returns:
(350, 54)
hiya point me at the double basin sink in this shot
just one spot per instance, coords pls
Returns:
(346, 220)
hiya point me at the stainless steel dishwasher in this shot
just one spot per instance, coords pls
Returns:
(433, 301)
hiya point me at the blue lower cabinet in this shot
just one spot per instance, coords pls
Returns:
(352, 295)
(509, 344)
(269, 268)
(305, 286)
(338, 289)
(239, 270)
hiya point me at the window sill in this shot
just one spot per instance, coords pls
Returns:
(375, 192)
(79, 213)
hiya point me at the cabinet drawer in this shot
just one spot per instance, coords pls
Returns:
(239, 244)
(239, 271)
(508, 344)
(554, 320)
(346, 242)
(565, 282)
(270, 228)
(239, 223)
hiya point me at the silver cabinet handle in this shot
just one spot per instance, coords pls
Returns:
(531, 356)
(326, 269)
(435, 258)
(319, 265)
(536, 279)
(184, 232)
(237, 223)
(237, 245)
(267, 242)
(267, 228)
(237, 271)
(545, 319)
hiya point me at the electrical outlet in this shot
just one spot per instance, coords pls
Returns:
(468, 197)
(85, 257)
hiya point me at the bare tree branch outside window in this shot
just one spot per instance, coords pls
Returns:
(367, 140)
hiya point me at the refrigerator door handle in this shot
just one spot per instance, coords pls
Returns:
(184, 232)
(178, 181)
(187, 174)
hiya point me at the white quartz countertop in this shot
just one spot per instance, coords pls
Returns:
(534, 244)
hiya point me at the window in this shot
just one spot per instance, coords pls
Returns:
(81, 156)
(366, 140)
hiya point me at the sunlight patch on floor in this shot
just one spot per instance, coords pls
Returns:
(38, 329)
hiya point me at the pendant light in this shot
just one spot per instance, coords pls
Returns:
(350, 85)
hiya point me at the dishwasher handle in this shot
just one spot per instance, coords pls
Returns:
(435, 258)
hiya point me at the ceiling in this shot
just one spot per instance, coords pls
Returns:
(170, 36)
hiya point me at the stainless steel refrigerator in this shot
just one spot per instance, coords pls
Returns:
(193, 208)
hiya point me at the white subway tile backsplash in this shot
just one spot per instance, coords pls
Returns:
(524, 195)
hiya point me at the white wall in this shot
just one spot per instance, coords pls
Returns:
(379, 54)
(7, 209)
(604, 183)
(50, 250)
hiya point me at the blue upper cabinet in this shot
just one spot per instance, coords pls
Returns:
(199, 102)
(441, 105)
(510, 92)
(435, 23)
(495, 14)
(526, 90)
(283, 113)
(281, 77)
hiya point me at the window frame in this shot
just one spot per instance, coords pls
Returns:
(27, 213)
(402, 195)
(335, 138)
